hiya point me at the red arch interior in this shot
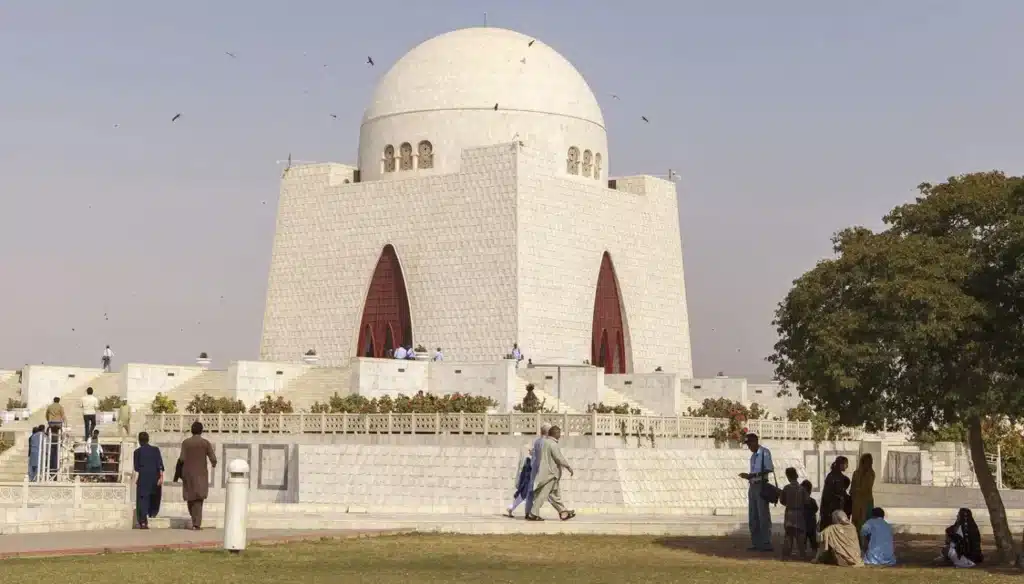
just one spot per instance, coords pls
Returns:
(608, 348)
(386, 319)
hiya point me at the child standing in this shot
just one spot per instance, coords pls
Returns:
(811, 516)
(794, 498)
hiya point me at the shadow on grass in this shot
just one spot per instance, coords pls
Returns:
(911, 551)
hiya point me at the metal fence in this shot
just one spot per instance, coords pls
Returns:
(462, 423)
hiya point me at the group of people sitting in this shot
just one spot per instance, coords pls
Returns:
(853, 532)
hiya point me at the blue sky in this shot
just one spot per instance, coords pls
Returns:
(786, 120)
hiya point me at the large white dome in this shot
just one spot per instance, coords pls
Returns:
(439, 100)
(474, 68)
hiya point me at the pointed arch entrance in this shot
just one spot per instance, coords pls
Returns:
(386, 322)
(608, 339)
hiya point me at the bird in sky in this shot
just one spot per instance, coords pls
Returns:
(644, 118)
(175, 118)
(370, 61)
(230, 54)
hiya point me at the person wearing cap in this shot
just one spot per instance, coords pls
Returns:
(759, 517)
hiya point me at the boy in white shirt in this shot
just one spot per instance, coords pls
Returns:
(90, 404)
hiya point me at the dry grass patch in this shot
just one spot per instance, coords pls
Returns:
(425, 559)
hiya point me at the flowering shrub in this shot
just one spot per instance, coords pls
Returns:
(207, 404)
(421, 403)
(163, 405)
(735, 414)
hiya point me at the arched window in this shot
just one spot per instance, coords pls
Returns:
(389, 158)
(587, 163)
(405, 156)
(572, 164)
(597, 166)
(426, 152)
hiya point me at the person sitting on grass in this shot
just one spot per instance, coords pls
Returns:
(963, 542)
(879, 548)
(840, 545)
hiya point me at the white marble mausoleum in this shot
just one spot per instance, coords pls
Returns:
(480, 214)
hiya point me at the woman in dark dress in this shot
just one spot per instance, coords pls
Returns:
(834, 492)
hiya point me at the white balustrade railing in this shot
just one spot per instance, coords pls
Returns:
(462, 423)
(74, 494)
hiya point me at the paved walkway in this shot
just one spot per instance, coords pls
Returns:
(127, 540)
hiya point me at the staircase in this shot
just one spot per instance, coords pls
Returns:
(614, 398)
(10, 388)
(14, 461)
(688, 402)
(550, 402)
(317, 384)
(103, 385)
(212, 382)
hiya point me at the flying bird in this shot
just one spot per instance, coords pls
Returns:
(531, 43)
(117, 125)
(495, 107)
(230, 54)
(370, 61)
(644, 118)
(335, 116)
(175, 118)
(613, 96)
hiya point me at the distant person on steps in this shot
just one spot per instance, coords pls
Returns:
(107, 356)
(194, 474)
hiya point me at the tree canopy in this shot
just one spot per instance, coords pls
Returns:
(920, 324)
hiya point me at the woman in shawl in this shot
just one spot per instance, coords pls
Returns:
(839, 543)
(834, 495)
(861, 491)
(522, 483)
(963, 542)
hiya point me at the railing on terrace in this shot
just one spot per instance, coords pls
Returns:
(462, 423)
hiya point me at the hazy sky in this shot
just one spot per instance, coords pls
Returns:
(787, 120)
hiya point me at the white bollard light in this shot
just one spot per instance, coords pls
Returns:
(236, 505)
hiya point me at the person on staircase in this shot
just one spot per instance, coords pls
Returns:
(90, 403)
(107, 356)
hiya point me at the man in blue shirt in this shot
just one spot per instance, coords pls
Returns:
(759, 517)
(879, 546)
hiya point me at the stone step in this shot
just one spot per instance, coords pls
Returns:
(550, 401)
(614, 398)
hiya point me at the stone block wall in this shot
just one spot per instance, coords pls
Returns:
(661, 392)
(480, 480)
(253, 380)
(41, 383)
(577, 387)
(144, 381)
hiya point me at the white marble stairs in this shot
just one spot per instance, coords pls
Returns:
(550, 401)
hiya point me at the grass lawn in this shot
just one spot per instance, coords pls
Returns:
(415, 559)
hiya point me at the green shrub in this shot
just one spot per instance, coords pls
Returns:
(15, 404)
(735, 415)
(421, 403)
(623, 409)
(110, 403)
(163, 405)
(269, 405)
(207, 404)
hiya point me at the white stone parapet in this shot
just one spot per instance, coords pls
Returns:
(76, 494)
(462, 423)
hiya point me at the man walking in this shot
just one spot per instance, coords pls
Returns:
(194, 475)
(149, 480)
(90, 404)
(124, 418)
(107, 356)
(759, 517)
(549, 476)
(534, 465)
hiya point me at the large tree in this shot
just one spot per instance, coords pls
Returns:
(919, 324)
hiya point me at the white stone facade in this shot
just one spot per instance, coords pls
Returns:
(501, 241)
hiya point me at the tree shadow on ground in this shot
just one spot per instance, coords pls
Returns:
(911, 551)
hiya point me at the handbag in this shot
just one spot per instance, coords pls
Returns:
(770, 492)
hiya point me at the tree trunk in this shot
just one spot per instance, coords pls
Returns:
(989, 490)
